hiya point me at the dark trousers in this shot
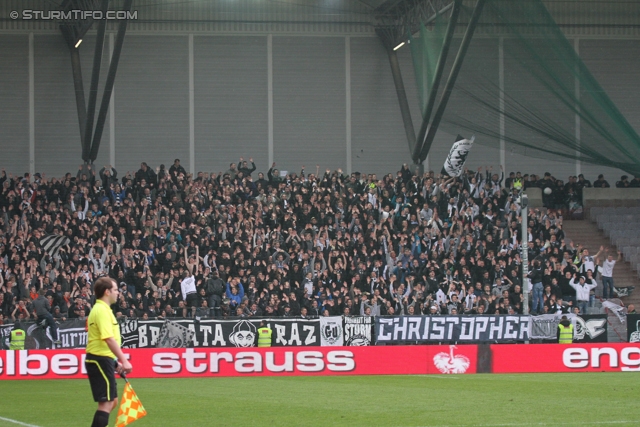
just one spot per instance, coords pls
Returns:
(214, 305)
(47, 319)
(607, 287)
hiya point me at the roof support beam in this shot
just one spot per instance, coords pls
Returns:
(80, 100)
(108, 88)
(442, 60)
(95, 78)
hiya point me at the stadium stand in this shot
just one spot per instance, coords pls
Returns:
(329, 243)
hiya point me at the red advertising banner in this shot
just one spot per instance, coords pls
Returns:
(202, 362)
(195, 362)
(603, 357)
(373, 360)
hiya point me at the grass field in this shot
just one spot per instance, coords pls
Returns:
(465, 400)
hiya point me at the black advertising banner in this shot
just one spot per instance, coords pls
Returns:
(177, 333)
(72, 335)
(460, 329)
(633, 327)
(358, 330)
(222, 333)
(588, 328)
(5, 332)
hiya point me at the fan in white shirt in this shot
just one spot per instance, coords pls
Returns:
(607, 274)
(188, 284)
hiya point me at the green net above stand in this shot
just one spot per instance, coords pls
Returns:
(537, 100)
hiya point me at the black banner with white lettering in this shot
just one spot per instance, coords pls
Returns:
(206, 333)
(224, 333)
(72, 335)
(461, 329)
(358, 330)
(633, 327)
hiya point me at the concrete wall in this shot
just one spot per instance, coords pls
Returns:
(293, 99)
(592, 197)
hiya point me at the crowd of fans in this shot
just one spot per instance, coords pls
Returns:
(304, 244)
(560, 195)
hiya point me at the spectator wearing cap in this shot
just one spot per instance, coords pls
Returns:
(433, 310)
(582, 291)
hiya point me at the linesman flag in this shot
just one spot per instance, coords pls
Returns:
(51, 243)
(131, 408)
(454, 163)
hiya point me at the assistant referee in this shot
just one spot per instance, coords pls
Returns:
(104, 356)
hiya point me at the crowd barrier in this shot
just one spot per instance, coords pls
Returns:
(303, 361)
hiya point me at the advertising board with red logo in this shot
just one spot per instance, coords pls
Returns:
(371, 360)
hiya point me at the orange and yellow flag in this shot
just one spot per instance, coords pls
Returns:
(131, 408)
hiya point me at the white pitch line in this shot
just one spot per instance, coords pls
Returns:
(538, 424)
(17, 422)
(440, 376)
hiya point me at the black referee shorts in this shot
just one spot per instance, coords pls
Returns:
(102, 377)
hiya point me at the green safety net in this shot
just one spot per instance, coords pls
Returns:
(425, 51)
(551, 106)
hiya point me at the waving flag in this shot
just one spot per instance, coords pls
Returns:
(131, 408)
(51, 243)
(454, 163)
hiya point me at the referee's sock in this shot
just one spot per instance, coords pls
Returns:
(100, 419)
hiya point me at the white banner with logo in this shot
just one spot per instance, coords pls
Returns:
(586, 327)
(358, 330)
(331, 331)
(454, 163)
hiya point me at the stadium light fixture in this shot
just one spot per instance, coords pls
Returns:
(399, 46)
(78, 43)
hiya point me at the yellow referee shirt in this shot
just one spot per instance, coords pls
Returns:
(102, 324)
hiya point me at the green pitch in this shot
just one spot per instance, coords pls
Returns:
(466, 400)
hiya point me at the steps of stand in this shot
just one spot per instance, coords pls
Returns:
(590, 237)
